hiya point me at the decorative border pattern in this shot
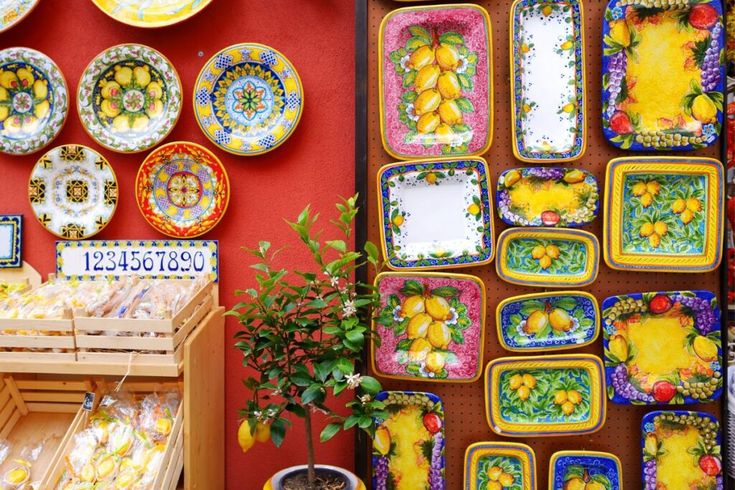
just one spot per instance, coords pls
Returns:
(522, 452)
(15, 222)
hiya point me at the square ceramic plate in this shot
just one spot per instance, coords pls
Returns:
(662, 74)
(498, 465)
(663, 348)
(11, 239)
(548, 86)
(585, 469)
(436, 213)
(545, 395)
(430, 327)
(408, 446)
(681, 450)
(435, 73)
(663, 214)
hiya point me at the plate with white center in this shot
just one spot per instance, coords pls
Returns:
(151, 13)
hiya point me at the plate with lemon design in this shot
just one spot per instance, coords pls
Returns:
(129, 98)
(585, 470)
(499, 466)
(151, 13)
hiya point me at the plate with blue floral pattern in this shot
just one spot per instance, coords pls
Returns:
(585, 469)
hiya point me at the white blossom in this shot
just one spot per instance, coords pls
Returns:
(349, 309)
(353, 381)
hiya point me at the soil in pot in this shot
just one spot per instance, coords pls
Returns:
(325, 480)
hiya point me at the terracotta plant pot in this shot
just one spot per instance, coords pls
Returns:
(275, 483)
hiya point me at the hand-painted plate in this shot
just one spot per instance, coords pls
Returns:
(430, 327)
(436, 213)
(248, 99)
(13, 11)
(545, 395)
(547, 257)
(681, 450)
(129, 98)
(664, 214)
(662, 76)
(585, 469)
(151, 13)
(34, 100)
(663, 348)
(182, 189)
(435, 76)
(498, 465)
(73, 192)
(548, 82)
(548, 321)
(408, 446)
(547, 196)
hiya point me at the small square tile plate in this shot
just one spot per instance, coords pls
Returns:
(499, 465)
(577, 469)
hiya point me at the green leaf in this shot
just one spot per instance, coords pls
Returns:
(446, 292)
(418, 31)
(453, 38)
(338, 245)
(278, 431)
(314, 393)
(465, 105)
(415, 43)
(408, 78)
(465, 82)
(370, 385)
(329, 431)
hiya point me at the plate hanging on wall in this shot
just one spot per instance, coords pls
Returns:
(13, 11)
(151, 13)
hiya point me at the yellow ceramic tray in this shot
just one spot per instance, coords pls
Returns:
(492, 465)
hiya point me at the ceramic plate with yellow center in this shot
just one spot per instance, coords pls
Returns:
(151, 13)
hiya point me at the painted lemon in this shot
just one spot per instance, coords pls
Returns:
(418, 326)
(444, 134)
(473, 209)
(494, 485)
(449, 112)
(651, 444)
(660, 227)
(494, 472)
(536, 322)
(154, 108)
(694, 204)
(618, 346)
(515, 381)
(686, 216)
(620, 33)
(538, 251)
(511, 178)
(654, 240)
(154, 89)
(262, 432)
(418, 350)
(447, 57)
(123, 75)
(40, 110)
(568, 108)
(560, 320)
(428, 123)
(552, 251)
(431, 178)
(545, 262)
(427, 101)
(245, 436)
(8, 79)
(382, 440)
(398, 220)
(705, 348)
(439, 335)
(426, 78)
(647, 229)
(566, 45)
(560, 397)
(653, 187)
(567, 408)
(678, 206)
(575, 483)
(421, 57)
(40, 89)
(448, 85)
(547, 10)
(412, 306)
(704, 109)
(438, 308)
(574, 396)
(435, 362)
(574, 177)
(646, 199)
(524, 392)
(506, 479)
(639, 189)
(26, 77)
(529, 380)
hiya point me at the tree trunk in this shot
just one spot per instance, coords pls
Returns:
(311, 474)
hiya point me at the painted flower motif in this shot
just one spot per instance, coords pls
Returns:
(617, 13)
(709, 132)
(184, 190)
(131, 98)
(24, 101)
(250, 100)
(648, 427)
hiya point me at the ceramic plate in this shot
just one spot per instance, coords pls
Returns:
(435, 75)
(13, 11)
(548, 87)
(548, 321)
(547, 196)
(34, 100)
(151, 13)
(585, 469)
(248, 99)
(499, 465)
(663, 348)
(408, 446)
(182, 189)
(436, 213)
(129, 98)
(431, 326)
(681, 450)
(663, 214)
(547, 257)
(545, 395)
(663, 74)
(11, 241)
(73, 192)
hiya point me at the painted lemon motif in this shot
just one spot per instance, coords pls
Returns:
(704, 109)
(427, 78)
(438, 308)
(435, 362)
(524, 392)
(620, 33)
(686, 216)
(566, 45)
(418, 326)
(398, 220)
(567, 408)
(245, 436)
(560, 397)
(439, 335)
(618, 346)
(506, 479)
(646, 199)
(412, 306)
(422, 57)
(704, 348)
(418, 350)
(538, 251)
(444, 134)
(447, 57)
(536, 322)
(428, 123)
(574, 177)
(529, 381)
(660, 227)
(568, 108)
(574, 396)
(693, 204)
(428, 101)
(547, 10)
(473, 209)
(560, 320)
(552, 251)
(515, 381)
(545, 262)
(654, 240)
(449, 112)
(382, 440)
(646, 230)
(511, 178)
(678, 206)
(448, 85)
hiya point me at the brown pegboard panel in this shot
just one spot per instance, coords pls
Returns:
(464, 403)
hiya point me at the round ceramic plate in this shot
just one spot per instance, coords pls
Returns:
(182, 189)
(34, 100)
(151, 13)
(13, 11)
(248, 99)
(73, 192)
(129, 98)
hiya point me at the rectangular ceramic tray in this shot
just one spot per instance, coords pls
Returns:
(545, 395)
(548, 82)
(436, 213)
(430, 327)
(664, 214)
(662, 74)
(489, 465)
(585, 469)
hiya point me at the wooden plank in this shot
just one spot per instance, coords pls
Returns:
(51, 385)
(6, 414)
(52, 396)
(51, 364)
(173, 472)
(193, 321)
(123, 359)
(45, 324)
(123, 342)
(50, 407)
(37, 341)
(4, 395)
(10, 383)
(12, 362)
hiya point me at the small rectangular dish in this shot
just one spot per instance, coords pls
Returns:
(499, 465)
(581, 470)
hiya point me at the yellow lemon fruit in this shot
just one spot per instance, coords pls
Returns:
(566, 45)
(418, 350)
(163, 426)
(154, 90)
(704, 109)
(618, 346)
(545, 262)
(427, 101)
(574, 396)
(694, 205)
(529, 380)
(431, 178)
(620, 33)
(154, 109)
(439, 335)
(515, 381)
(418, 326)
(421, 57)
(536, 322)
(110, 108)
(547, 10)
(568, 108)
(567, 408)
(398, 220)
(111, 89)
(506, 479)
(705, 348)
(413, 305)
(654, 240)
(494, 472)
(560, 397)
(552, 251)
(647, 229)
(524, 392)
(560, 320)
(449, 112)
(538, 251)
(142, 76)
(262, 432)
(686, 216)
(123, 75)
(574, 177)
(8, 79)
(40, 110)
(494, 485)
(661, 228)
(382, 440)
(678, 206)
(26, 77)
(435, 362)
(511, 178)
(447, 57)
(639, 188)
(426, 78)
(473, 209)
(444, 134)
(40, 89)
(428, 123)
(653, 187)
(646, 199)
(448, 85)
(245, 436)
(438, 308)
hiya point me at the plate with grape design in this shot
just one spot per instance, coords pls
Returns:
(34, 101)
(248, 99)
(591, 470)
(151, 13)
(663, 348)
(13, 11)
(182, 189)
(496, 465)
(129, 98)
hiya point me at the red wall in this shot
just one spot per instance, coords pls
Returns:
(314, 166)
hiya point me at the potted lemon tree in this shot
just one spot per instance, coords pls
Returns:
(301, 335)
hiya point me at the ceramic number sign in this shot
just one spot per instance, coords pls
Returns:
(663, 214)
(681, 450)
(663, 347)
(182, 189)
(13, 11)
(436, 213)
(34, 100)
(151, 13)
(73, 192)
(248, 99)
(435, 73)
(499, 466)
(585, 470)
(408, 447)
(548, 86)
(663, 74)
(430, 326)
(547, 196)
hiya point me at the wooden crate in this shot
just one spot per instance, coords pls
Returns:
(53, 340)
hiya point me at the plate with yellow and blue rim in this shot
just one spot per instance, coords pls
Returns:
(585, 469)
(499, 465)
(151, 13)
(248, 99)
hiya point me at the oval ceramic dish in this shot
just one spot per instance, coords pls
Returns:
(73, 192)
(13, 11)
(585, 469)
(430, 327)
(507, 464)
(547, 196)
(129, 98)
(34, 100)
(548, 321)
(151, 13)
(663, 348)
(545, 395)
(248, 99)
(182, 189)
(547, 257)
